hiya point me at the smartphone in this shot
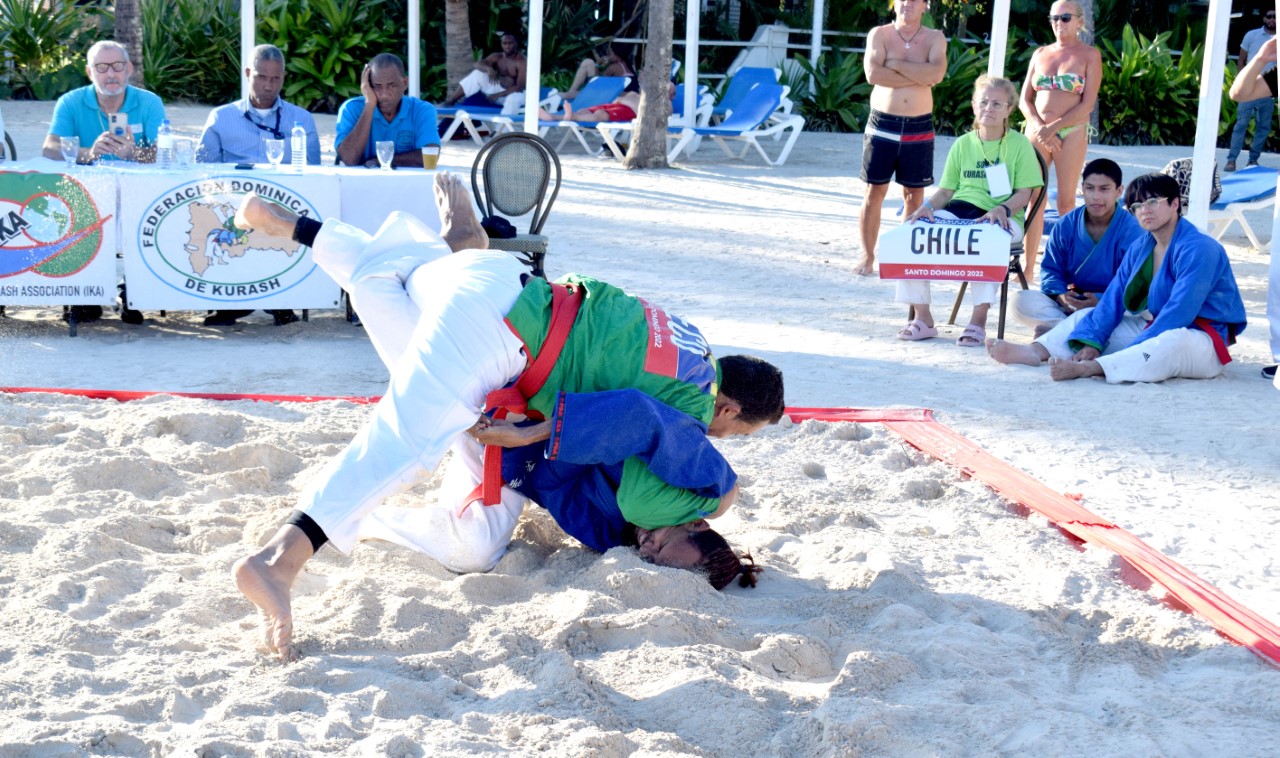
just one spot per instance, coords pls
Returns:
(118, 125)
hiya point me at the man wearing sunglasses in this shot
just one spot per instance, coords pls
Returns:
(86, 112)
(1260, 110)
(238, 132)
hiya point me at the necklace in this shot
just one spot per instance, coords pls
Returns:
(983, 147)
(907, 42)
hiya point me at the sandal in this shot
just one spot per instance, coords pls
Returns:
(917, 330)
(972, 336)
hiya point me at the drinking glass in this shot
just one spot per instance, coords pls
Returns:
(386, 152)
(183, 153)
(70, 150)
(275, 152)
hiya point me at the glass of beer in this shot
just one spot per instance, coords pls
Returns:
(430, 156)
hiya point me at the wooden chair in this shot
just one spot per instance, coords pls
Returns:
(512, 175)
(1015, 255)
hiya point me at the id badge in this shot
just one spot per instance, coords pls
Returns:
(998, 180)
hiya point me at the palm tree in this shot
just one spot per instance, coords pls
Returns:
(129, 34)
(458, 55)
(649, 144)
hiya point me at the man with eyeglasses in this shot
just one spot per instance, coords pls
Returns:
(1260, 110)
(237, 132)
(86, 112)
(1170, 311)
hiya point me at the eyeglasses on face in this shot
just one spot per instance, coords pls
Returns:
(1150, 204)
(102, 68)
(1063, 17)
(995, 105)
(1270, 15)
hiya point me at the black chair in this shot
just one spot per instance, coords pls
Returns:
(1015, 254)
(10, 152)
(511, 176)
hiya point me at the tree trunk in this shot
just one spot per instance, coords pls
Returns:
(459, 57)
(129, 34)
(649, 143)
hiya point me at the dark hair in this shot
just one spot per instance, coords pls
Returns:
(1148, 186)
(387, 60)
(1104, 166)
(624, 51)
(720, 563)
(756, 385)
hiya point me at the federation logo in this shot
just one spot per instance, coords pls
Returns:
(49, 225)
(188, 239)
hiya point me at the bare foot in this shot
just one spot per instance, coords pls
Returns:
(568, 111)
(266, 578)
(547, 115)
(867, 267)
(459, 227)
(1061, 370)
(1010, 353)
(269, 218)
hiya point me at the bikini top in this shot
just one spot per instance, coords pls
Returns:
(1073, 83)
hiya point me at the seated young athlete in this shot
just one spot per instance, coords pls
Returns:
(457, 327)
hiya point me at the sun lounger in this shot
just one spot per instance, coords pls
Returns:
(599, 91)
(701, 116)
(739, 85)
(761, 113)
(469, 117)
(1249, 189)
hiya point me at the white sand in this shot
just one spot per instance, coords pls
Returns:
(904, 611)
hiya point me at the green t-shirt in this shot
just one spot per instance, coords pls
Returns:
(620, 341)
(965, 172)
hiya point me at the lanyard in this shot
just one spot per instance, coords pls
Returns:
(275, 131)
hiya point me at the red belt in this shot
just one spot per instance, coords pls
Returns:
(565, 302)
(1219, 346)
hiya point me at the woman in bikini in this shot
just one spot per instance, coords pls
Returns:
(1057, 98)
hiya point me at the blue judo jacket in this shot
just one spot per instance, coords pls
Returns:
(576, 473)
(1071, 257)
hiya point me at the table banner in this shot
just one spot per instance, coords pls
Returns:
(57, 238)
(947, 249)
(183, 252)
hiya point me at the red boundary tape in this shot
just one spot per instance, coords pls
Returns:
(918, 427)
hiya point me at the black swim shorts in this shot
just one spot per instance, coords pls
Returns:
(898, 145)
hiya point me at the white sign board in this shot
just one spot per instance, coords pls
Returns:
(57, 238)
(947, 249)
(183, 252)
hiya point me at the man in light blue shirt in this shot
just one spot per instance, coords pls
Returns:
(384, 113)
(1259, 111)
(86, 112)
(237, 132)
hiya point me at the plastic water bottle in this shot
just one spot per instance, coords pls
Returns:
(298, 147)
(164, 145)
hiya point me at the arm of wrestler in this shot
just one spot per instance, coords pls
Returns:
(930, 72)
(1097, 325)
(873, 64)
(610, 427)
(1194, 276)
(1249, 84)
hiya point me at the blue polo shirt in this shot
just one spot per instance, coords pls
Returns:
(76, 114)
(235, 133)
(413, 127)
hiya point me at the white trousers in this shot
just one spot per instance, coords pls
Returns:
(479, 81)
(1186, 353)
(1034, 308)
(436, 321)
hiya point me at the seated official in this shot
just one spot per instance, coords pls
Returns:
(990, 175)
(1171, 310)
(86, 113)
(237, 132)
(1083, 252)
(385, 113)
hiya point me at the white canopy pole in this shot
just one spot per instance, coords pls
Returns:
(815, 48)
(415, 56)
(692, 9)
(999, 38)
(248, 20)
(1211, 77)
(533, 83)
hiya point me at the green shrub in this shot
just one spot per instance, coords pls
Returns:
(191, 49)
(837, 99)
(1146, 97)
(47, 46)
(953, 96)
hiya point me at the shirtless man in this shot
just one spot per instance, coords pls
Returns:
(903, 62)
(497, 79)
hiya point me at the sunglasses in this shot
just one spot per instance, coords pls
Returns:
(1270, 15)
(1063, 17)
(102, 68)
(1150, 204)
